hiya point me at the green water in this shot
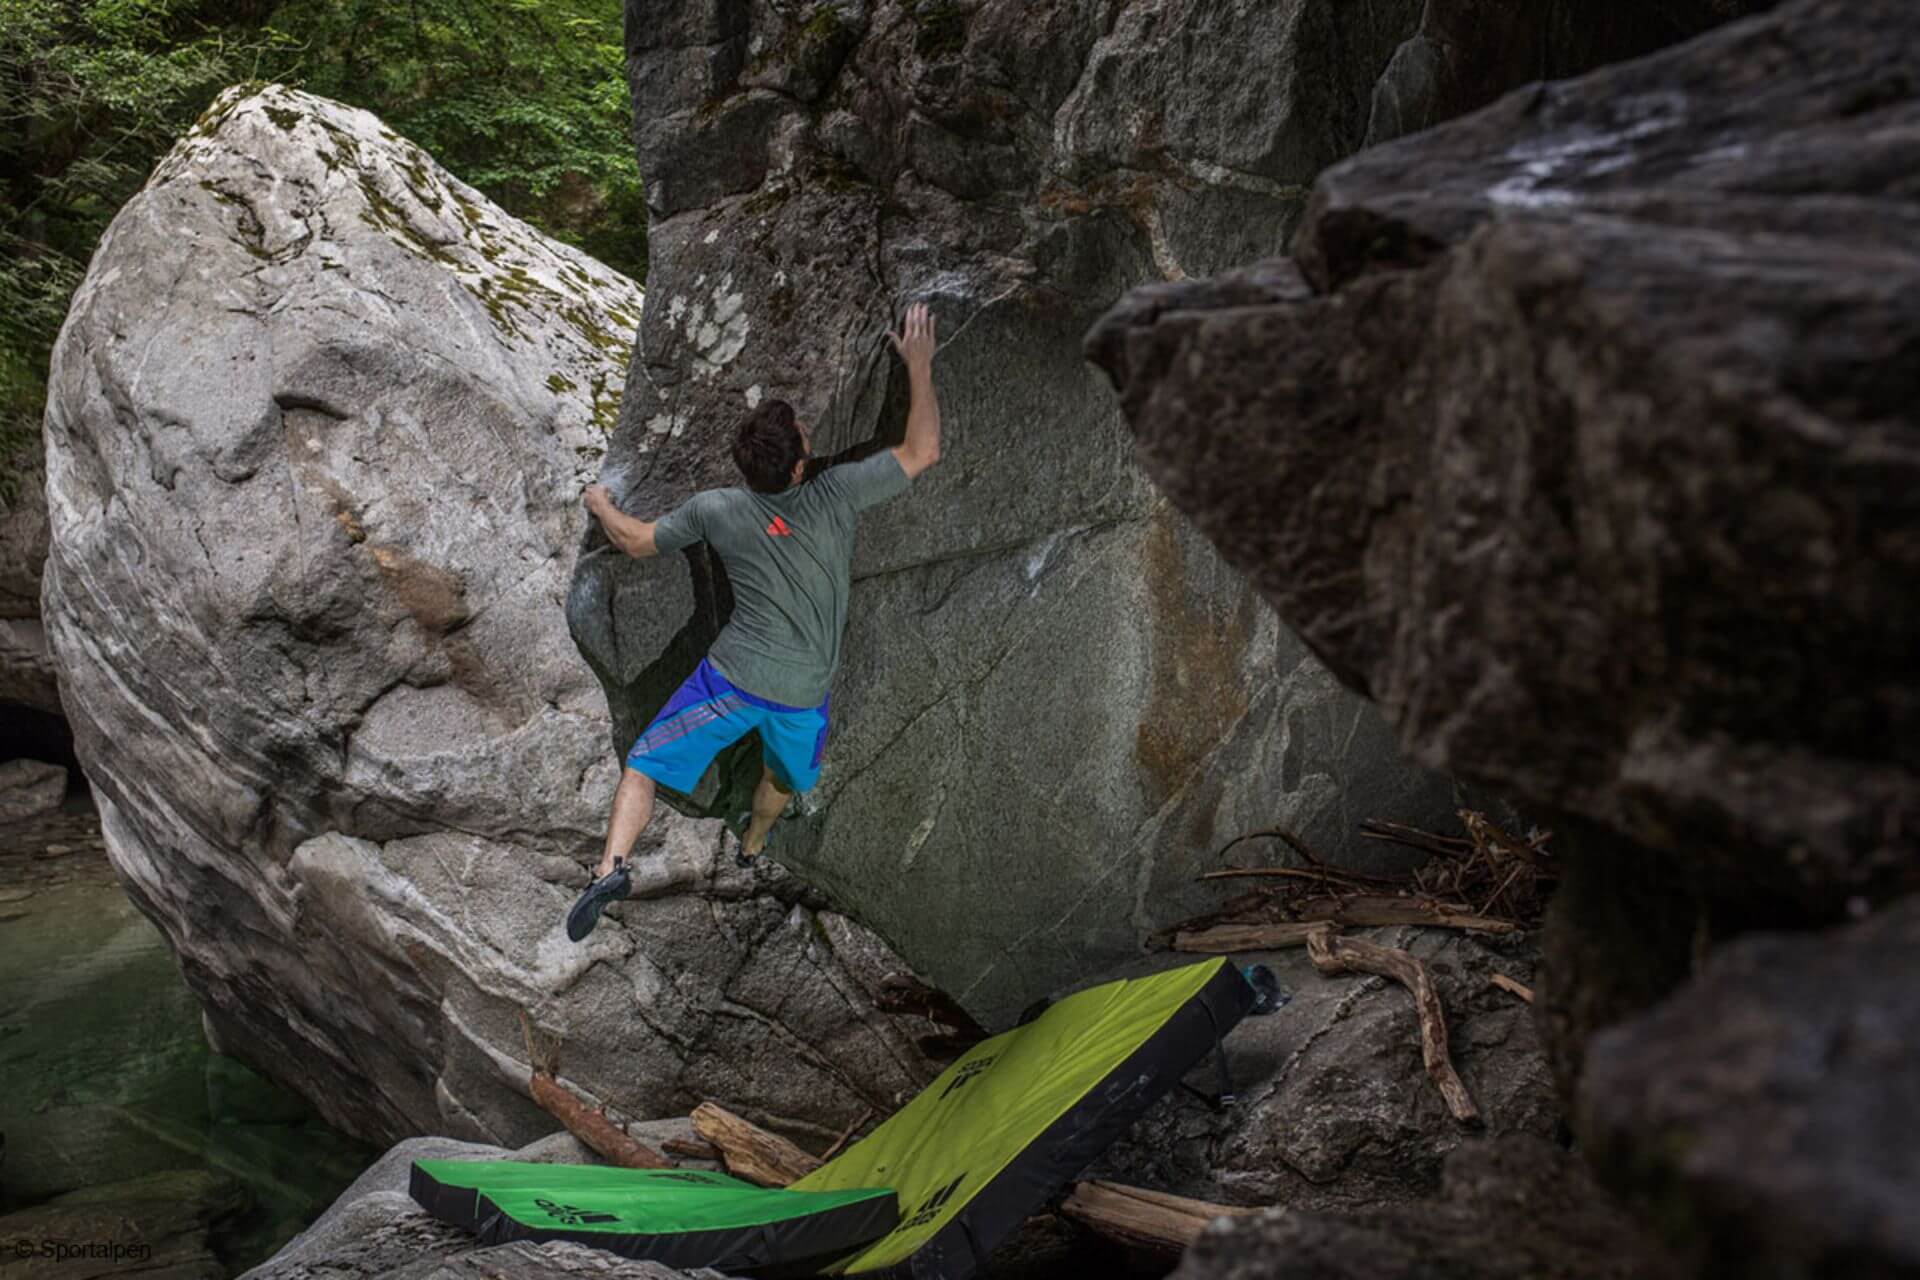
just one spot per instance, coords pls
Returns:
(106, 1077)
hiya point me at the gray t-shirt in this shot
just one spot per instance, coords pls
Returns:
(789, 558)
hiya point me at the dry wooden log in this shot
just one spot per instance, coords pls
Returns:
(1334, 955)
(1226, 939)
(1142, 1219)
(1364, 911)
(749, 1151)
(692, 1148)
(591, 1126)
(1505, 983)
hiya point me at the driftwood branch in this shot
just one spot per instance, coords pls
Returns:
(591, 1126)
(1335, 955)
(1227, 939)
(1363, 912)
(692, 1148)
(1142, 1219)
(749, 1151)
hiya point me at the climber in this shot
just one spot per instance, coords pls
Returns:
(787, 546)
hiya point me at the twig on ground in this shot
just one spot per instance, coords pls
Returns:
(1507, 984)
(845, 1133)
(1335, 955)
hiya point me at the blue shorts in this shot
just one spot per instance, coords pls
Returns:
(708, 713)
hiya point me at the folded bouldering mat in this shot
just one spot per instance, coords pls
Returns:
(927, 1195)
(1000, 1131)
(680, 1217)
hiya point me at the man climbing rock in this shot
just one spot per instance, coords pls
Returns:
(787, 545)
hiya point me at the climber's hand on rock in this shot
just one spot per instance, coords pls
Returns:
(914, 342)
(598, 499)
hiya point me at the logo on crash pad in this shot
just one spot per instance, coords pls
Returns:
(573, 1215)
(929, 1209)
(967, 1071)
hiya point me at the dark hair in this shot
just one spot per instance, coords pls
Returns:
(767, 445)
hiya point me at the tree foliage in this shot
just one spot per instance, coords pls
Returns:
(524, 99)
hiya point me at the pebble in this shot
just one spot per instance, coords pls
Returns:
(55, 851)
(15, 895)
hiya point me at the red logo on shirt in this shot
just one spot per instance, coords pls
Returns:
(780, 528)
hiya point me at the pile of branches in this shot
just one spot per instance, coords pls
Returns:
(1487, 881)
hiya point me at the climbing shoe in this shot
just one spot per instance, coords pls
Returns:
(611, 887)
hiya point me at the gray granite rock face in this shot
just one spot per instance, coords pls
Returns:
(1055, 701)
(1581, 433)
(1591, 423)
(319, 422)
(1335, 1109)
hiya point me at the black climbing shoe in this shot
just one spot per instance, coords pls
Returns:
(610, 887)
(1267, 994)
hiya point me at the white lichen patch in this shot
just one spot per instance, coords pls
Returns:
(662, 426)
(721, 338)
(753, 394)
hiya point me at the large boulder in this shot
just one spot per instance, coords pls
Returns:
(1765, 1114)
(1056, 702)
(318, 426)
(1582, 434)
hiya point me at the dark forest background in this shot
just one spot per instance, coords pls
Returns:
(524, 99)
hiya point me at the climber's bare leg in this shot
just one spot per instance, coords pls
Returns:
(632, 810)
(769, 802)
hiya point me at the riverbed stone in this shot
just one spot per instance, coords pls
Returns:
(29, 788)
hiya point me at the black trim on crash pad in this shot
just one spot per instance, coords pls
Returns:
(786, 1242)
(1081, 1133)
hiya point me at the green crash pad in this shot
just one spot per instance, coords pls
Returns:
(681, 1217)
(990, 1141)
(927, 1195)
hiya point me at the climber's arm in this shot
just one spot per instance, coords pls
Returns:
(914, 342)
(629, 533)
